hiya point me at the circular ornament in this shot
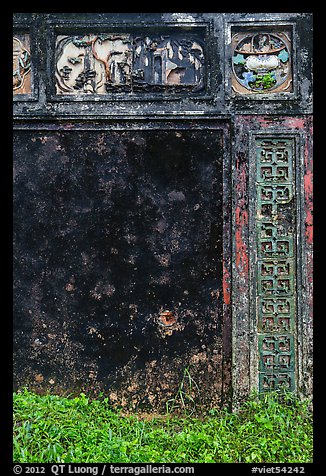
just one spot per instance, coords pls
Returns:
(261, 62)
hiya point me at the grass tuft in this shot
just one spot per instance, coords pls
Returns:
(53, 429)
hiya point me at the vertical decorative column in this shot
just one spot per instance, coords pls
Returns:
(275, 268)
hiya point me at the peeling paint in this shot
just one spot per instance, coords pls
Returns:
(295, 123)
(249, 128)
(308, 188)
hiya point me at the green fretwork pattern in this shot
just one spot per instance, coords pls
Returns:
(276, 287)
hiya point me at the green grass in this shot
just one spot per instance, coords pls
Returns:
(53, 429)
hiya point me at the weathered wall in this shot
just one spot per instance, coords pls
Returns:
(142, 249)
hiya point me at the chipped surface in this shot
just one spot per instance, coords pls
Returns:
(204, 40)
(93, 63)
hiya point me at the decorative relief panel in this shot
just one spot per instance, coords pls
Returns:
(113, 63)
(21, 64)
(261, 62)
(275, 227)
(93, 64)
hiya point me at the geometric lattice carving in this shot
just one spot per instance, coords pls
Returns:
(275, 268)
(274, 162)
(276, 381)
(21, 64)
(261, 62)
(276, 352)
(124, 63)
(273, 244)
(275, 315)
(275, 277)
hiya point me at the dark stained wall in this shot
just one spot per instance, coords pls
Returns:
(112, 230)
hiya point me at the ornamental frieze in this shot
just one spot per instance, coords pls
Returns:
(113, 63)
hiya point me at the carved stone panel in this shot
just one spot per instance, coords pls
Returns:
(21, 64)
(113, 63)
(261, 62)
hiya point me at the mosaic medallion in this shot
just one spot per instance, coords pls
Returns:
(261, 63)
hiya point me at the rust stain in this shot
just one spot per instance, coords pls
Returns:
(226, 285)
(69, 287)
(39, 378)
(167, 318)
